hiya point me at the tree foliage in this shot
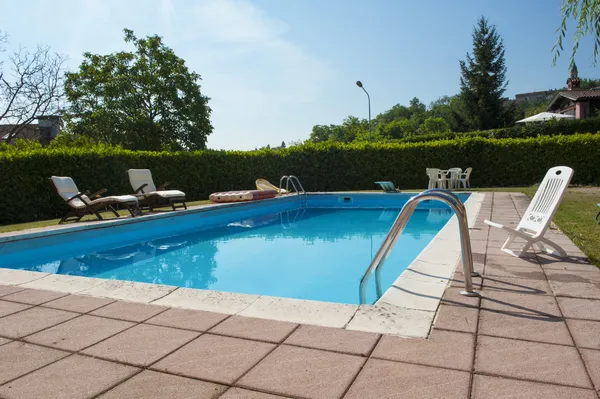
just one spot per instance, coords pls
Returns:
(586, 14)
(483, 78)
(433, 125)
(144, 100)
(31, 85)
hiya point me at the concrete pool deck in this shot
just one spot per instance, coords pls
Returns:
(533, 334)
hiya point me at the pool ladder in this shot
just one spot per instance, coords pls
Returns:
(457, 206)
(293, 180)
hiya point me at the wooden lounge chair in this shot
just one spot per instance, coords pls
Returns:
(538, 215)
(151, 196)
(84, 203)
(264, 184)
(387, 186)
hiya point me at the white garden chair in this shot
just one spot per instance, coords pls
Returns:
(464, 178)
(455, 174)
(436, 178)
(538, 215)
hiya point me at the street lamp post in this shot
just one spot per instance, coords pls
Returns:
(359, 84)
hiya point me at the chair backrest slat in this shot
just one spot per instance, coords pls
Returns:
(139, 177)
(546, 200)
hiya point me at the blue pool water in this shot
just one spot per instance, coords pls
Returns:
(307, 253)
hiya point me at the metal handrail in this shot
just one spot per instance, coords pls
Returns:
(290, 179)
(448, 198)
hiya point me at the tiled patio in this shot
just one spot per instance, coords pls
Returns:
(534, 334)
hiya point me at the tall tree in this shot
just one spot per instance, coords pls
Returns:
(586, 14)
(31, 86)
(143, 100)
(483, 79)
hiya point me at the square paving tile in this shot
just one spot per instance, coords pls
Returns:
(304, 372)
(33, 297)
(70, 378)
(456, 318)
(443, 348)
(4, 341)
(574, 276)
(458, 280)
(142, 344)
(577, 308)
(534, 273)
(530, 360)
(7, 308)
(255, 328)
(592, 363)
(485, 387)
(78, 303)
(215, 358)
(197, 320)
(240, 393)
(574, 264)
(585, 333)
(19, 358)
(517, 285)
(20, 324)
(538, 305)
(508, 260)
(524, 326)
(9, 289)
(79, 333)
(130, 311)
(334, 339)
(575, 289)
(150, 384)
(385, 379)
(452, 296)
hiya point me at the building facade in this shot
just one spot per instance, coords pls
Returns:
(574, 101)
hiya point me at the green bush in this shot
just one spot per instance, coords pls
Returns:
(28, 195)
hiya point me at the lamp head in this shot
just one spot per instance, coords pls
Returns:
(359, 83)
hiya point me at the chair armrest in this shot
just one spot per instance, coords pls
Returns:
(140, 189)
(79, 196)
(162, 186)
(97, 194)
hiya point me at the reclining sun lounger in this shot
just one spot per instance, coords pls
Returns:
(84, 203)
(264, 184)
(538, 215)
(151, 196)
(387, 186)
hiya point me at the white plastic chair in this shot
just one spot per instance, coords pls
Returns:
(538, 215)
(434, 178)
(464, 178)
(455, 174)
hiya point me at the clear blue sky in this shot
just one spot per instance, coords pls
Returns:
(275, 68)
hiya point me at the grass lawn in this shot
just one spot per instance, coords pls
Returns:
(53, 222)
(575, 217)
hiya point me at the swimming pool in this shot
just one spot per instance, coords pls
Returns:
(316, 249)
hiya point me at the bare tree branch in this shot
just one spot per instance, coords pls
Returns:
(31, 87)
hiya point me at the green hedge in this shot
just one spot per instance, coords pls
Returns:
(26, 194)
(519, 130)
